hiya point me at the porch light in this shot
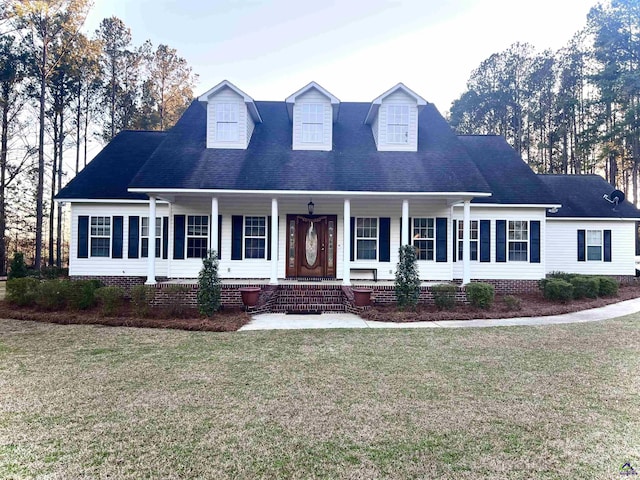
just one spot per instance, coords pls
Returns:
(310, 206)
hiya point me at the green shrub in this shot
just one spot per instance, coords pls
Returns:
(81, 294)
(562, 276)
(558, 290)
(444, 296)
(52, 294)
(209, 285)
(512, 303)
(480, 295)
(608, 287)
(52, 272)
(17, 269)
(407, 280)
(110, 298)
(177, 300)
(22, 291)
(141, 298)
(584, 286)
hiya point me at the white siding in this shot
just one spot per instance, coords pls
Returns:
(312, 96)
(245, 123)
(380, 124)
(504, 270)
(562, 247)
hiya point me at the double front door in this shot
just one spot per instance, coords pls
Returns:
(311, 246)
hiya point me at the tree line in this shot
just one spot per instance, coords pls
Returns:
(61, 89)
(575, 110)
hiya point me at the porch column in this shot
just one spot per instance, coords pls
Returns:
(466, 243)
(151, 259)
(274, 242)
(405, 222)
(214, 226)
(346, 243)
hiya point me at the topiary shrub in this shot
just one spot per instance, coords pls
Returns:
(407, 280)
(110, 298)
(17, 269)
(444, 296)
(558, 290)
(52, 294)
(608, 287)
(480, 295)
(584, 286)
(81, 294)
(141, 298)
(22, 291)
(209, 285)
(512, 303)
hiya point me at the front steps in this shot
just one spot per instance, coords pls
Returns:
(316, 298)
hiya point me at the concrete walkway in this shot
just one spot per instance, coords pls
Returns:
(281, 321)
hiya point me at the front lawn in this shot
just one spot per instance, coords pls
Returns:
(80, 401)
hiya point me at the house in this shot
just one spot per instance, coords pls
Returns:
(312, 188)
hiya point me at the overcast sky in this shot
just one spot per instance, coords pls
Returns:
(354, 49)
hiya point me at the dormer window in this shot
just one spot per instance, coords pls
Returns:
(398, 124)
(227, 122)
(312, 122)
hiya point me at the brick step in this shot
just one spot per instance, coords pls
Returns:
(311, 298)
(318, 307)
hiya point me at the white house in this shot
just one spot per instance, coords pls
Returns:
(317, 189)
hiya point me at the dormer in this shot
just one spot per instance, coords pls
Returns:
(312, 112)
(393, 117)
(231, 116)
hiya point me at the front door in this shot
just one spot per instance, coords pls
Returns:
(311, 246)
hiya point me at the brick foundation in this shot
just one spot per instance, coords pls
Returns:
(124, 282)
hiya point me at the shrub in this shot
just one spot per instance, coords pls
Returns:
(407, 280)
(177, 305)
(209, 285)
(584, 286)
(480, 295)
(562, 276)
(17, 269)
(22, 291)
(110, 298)
(81, 294)
(53, 272)
(141, 298)
(512, 303)
(559, 290)
(444, 296)
(608, 287)
(52, 294)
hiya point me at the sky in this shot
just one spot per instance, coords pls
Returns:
(355, 49)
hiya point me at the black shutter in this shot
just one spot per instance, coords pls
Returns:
(165, 237)
(178, 236)
(607, 245)
(116, 237)
(268, 239)
(501, 240)
(385, 239)
(83, 236)
(534, 240)
(134, 237)
(353, 237)
(219, 252)
(455, 240)
(236, 237)
(582, 250)
(485, 240)
(441, 239)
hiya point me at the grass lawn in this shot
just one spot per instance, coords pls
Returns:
(82, 401)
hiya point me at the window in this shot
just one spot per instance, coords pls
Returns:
(197, 236)
(594, 245)
(518, 240)
(312, 122)
(227, 122)
(398, 124)
(255, 237)
(100, 236)
(366, 239)
(144, 236)
(423, 237)
(473, 242)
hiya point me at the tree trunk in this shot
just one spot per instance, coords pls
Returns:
(59, 207)
(4, 141)
(53, 186)
(40, 189)
(86, 125)
(78, 113)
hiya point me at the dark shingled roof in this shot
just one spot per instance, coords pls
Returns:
(183, 161)
(581, 196)
(510, 179)
(108, 175)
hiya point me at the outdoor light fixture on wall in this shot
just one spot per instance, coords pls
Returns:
(310, 206)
